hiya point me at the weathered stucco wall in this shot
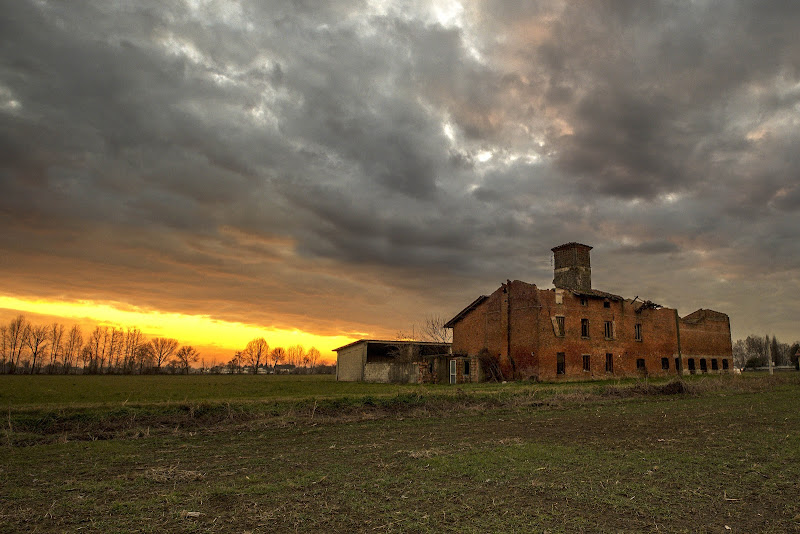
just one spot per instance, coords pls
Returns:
(402, 373)
(350, 363)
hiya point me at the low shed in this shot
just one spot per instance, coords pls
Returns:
(374, 360)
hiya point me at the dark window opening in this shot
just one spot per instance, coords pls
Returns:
(677, 364)
(637, 332)
(640, 364)
(691, 365)
(584, 302)
(560, 326)
(703, 365)
(584, 327)
(606, 304)
(586, 363)
(724, 365)
(665, 363)
(560, 367)
(466, 367)
(714, 365)
(609, 363)
(609, 330)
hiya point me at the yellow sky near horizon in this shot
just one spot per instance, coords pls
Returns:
(219, 338)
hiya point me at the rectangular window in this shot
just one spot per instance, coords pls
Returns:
(558, 324)
(609, 329)
(560, 366)
(640, 364)
(691, 365)
(584, 302)
(724, 365)
(606, 304)
(714, 365)
(637, 332)
(586, 363)
(609, 362)
(665, 363)
(466, 367)
(584, 327)
(677, 364)
(703, 365)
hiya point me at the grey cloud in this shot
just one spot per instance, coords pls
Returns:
(322, 126)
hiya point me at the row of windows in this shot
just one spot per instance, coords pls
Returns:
(608, 329)
(640, 364)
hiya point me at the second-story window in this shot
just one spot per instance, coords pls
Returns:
(609, 329)
(560, 326)
(584, 327)
(637, 332)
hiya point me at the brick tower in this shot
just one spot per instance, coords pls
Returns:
(572, 269)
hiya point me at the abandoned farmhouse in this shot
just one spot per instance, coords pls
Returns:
(569, 332)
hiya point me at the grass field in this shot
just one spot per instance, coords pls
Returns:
(307, 456)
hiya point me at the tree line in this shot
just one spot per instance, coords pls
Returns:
(257, 357)
(28, 348)
(755, 351)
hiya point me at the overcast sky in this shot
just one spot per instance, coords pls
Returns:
(349, 167)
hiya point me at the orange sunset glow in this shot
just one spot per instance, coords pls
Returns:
(216, 339)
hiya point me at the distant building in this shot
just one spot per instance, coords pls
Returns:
(576, 332)
(374, 360)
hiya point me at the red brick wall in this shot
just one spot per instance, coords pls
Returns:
(706, 334)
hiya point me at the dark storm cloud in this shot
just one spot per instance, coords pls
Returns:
(283, 155)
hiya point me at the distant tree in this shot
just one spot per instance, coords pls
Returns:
(162, 348)
(185, 357)
(255, 352)
(36, 342)
(793, 358)
(775, 351)
(55, 337)
(295, 355)
(130, 345)
(740, 355)
(277, 355)
(72, 346)
(313, 357)
(17, 333)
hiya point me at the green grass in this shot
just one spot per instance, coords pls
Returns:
(588, 459)
(84, 390)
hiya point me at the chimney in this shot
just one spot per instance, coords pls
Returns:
(572, 269)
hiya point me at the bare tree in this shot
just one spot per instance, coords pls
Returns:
(185, 357)
(313, 357)
(37, 343)
(56, 334)
(277, 355)
(295, 355)
(256, 350)
(17, 332)
(3, 349)
(133, 339)
(71, 347)
(162, 349)
(433, 330)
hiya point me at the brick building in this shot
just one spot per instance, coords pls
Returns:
(576, 332)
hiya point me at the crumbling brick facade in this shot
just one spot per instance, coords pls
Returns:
(576, 332)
